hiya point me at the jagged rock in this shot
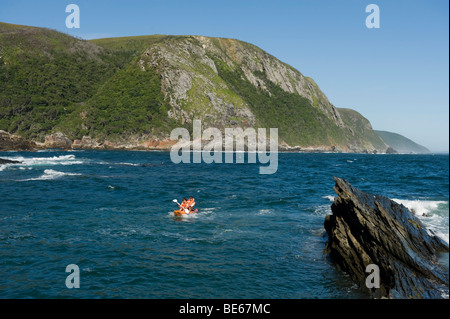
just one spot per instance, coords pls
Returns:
(10, 142)
(365, 229)
(5, 161)
(390, 150)
(57, 140)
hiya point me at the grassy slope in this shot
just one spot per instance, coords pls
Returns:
(132, 44)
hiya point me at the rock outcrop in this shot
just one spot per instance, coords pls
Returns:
(86, 143)
(6, 161)
(365, 229)
(10, 142)
(57, 140)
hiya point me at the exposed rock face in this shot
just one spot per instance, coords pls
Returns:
(365, 229)
(57, 140)
(189, 78)
(9, 142)
(86, 143)
(251, 59)
(158, 144)
(189, 74)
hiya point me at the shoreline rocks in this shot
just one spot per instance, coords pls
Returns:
(58, 140)
(367, 229)
(10, 142)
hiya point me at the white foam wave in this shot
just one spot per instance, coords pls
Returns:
(185, 216)
(129, 164)
(50, 174)
(329, 197)
(43, 161)
(420, 207)
(438, 224)
(434, 214)
(202, 213)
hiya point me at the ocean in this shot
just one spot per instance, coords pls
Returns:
(255, 236)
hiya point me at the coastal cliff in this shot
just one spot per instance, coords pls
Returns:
(131, 92)
(367, 229)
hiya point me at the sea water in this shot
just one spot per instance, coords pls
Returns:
(255, 236)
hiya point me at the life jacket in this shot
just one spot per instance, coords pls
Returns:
(191, 202)
(185, 204)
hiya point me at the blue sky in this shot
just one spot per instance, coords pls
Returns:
(396, 76)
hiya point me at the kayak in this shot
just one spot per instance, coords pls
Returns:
(181, 212)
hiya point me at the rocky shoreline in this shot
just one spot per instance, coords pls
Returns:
(10, 142)
(366, 230)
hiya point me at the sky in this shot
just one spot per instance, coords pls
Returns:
(397, 75)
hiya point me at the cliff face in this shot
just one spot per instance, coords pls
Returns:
(134, 90)
(189, 72)
(373, 230)
(229, 83)
(192, 86)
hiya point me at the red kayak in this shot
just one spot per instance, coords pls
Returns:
(181, 212)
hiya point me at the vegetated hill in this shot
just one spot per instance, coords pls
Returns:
(360, 126)
(45, 75)
(137, 88)
(402, 144)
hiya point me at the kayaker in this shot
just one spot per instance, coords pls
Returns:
(184, 204)
(191, 203)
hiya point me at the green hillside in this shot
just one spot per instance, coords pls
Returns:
(45, 75)
(401, 144)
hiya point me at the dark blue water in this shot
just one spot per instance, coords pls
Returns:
(255, 236)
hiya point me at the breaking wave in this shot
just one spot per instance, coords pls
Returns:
(434, 214)
(50, 174)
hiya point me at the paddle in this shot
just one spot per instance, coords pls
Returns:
(186, 211)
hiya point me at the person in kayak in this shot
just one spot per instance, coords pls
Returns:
(184, 205)
(191, 203)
